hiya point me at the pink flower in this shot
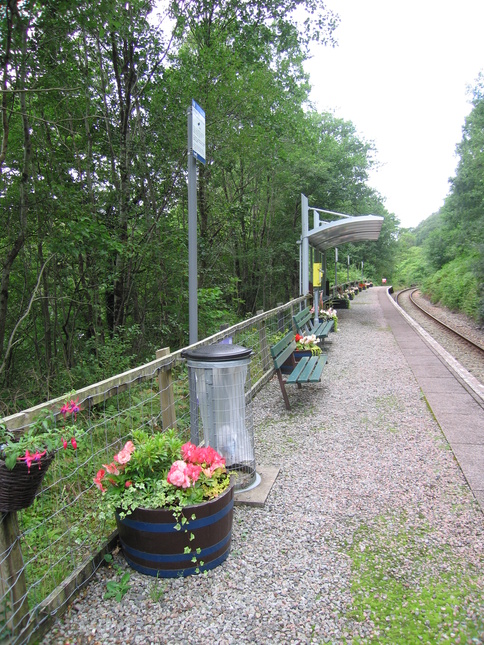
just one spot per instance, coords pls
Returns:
(71, 408)
(112, 469)
(65, 409)
(99, 478)
(190, 452)
(193, 471)
(209, 456)
(124, 455)
(74, 407)
(74, 443)
(178, 475)
(29, 459)
(128, 484)
(64, 443)
(209, 470)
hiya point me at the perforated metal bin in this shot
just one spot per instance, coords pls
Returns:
(219, 376)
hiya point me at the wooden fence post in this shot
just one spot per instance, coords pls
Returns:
(264, 347)
(280, 318)
(165, 381)
(13, 586)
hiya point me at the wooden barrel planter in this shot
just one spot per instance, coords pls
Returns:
(153, 545)
(19, 486)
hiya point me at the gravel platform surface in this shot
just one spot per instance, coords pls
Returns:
(369, 535)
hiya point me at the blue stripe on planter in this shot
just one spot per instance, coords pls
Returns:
(177, 573)
(191, 525)
(176, 557)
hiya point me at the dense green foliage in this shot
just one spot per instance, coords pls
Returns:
(445, 253)
(93, 231)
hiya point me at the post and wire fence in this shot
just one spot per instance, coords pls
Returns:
(51, 549)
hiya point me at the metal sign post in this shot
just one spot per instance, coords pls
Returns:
(196, 151)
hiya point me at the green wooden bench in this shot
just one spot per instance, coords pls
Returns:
(307, 370)
(305, 325)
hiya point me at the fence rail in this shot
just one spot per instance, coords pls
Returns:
(51, 549)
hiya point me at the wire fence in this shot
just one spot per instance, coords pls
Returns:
(49, 550)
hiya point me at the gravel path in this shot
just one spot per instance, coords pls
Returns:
(370, 533)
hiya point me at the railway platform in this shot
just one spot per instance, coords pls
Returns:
(369, 533)
(455, 397)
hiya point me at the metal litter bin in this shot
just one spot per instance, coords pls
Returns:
(218, 376)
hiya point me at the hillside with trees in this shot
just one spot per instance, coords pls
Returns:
(93, 233)
(445, 253)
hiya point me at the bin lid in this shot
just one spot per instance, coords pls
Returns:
(220, 352)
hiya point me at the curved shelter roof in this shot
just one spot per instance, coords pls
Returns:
(358, 228)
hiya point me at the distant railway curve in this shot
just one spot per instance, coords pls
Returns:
(465, 345)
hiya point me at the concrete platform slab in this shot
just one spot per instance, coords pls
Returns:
(471, 460)
(453, 402)
(258, 496)
(424, 371)
(462, 429)
(438, 385)
(479, 495)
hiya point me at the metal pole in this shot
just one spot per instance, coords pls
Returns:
(305, 244)
(336, 267)
(348, 270)
(325, 276)
(192, 239)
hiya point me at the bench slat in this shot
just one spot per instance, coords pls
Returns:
(315, 375)
(323, 328)
(285, 351)
(295, 375)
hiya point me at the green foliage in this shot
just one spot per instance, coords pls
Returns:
(157, 589)
(423, 599)
(213, 311)
(44, 435)
(413, 269)
(455, 286)
(95, 261)
(118, 588)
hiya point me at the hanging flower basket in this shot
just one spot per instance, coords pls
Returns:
(19, 486)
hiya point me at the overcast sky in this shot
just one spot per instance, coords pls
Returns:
(400, 73)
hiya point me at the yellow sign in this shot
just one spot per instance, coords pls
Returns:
(317, 272)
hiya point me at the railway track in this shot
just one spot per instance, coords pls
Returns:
(463, 341)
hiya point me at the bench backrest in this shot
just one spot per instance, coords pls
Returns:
(302, 319)
(281, 351)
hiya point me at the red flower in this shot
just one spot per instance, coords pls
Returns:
(99, 478)
(74, 443)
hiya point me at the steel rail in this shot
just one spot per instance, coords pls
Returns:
(437, 320)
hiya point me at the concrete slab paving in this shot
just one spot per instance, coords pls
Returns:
(258, 495)
(436, 384)
(454, 402)
(460, 429)
(471, 460)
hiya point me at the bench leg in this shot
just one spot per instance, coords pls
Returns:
(283, 390)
